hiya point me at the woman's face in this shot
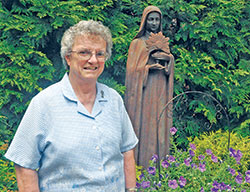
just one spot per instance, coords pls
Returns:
(153, 22)
(87, 59)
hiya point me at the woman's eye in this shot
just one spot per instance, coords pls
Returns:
(84, 52)
(100, 54)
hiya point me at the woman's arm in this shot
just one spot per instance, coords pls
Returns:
(27, 179)
(129, 169)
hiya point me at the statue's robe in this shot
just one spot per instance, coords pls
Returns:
(148, 91)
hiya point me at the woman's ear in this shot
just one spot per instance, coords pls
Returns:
(67, 58)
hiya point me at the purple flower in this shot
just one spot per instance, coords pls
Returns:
(201, 157)
(151, 170)
(165, 164)
(187, 161)
(161, 176)
(154, 158)
(209, 151)
(138, 185)
(191, 153)
(223, 186)
(194, 166)
(232, 152)
(214, 189)
(202, 167)
(192, 146)
(238, 156)
(238, 179)
(172, 184)
(216, 185)
(244, 190)
(214, 158)
(182, 181)
(145, 184)
(247, 178)
(141, 176)
(229, 188)
(159, 184)
(173, 130)
(247, 172)
(232, 171)
(171, 158)
(202, 190)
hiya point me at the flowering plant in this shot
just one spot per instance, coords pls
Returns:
(189, 171)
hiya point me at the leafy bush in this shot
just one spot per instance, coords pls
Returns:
(193, 170)
(195, 113)
(218, 143)
(7, 177)
(210, 41)
(7, 172)
(212, 55)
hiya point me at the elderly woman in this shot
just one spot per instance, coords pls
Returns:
(149, 86)
(76, 134)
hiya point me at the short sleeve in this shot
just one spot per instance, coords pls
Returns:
(129, 139)
(28, 143)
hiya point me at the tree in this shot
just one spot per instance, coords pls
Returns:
(209, 39)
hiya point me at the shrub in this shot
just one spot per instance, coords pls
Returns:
(194, 170)
(218, 143)
(7, 173)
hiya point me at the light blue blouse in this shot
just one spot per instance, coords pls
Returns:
(73, 149)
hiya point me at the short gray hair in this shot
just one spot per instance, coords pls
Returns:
(84, 27)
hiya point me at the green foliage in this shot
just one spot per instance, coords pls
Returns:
(7, 177)
(212, 50)
(196, 112)
(211, 46)
(7, 172)
(210, 42)
(218, 143)
(194, 170)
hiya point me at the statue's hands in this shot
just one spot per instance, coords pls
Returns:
(157, 66)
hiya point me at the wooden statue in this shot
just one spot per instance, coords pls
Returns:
(149, 82)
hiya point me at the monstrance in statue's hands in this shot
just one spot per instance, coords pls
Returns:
(158, 48)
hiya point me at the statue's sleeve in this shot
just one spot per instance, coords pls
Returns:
(137, 61)
(136, 76)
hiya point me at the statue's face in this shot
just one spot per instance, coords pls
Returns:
(153, 22)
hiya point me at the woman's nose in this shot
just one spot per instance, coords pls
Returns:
(93, 58)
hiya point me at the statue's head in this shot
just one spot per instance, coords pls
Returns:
(150, 21)
(153, 22)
